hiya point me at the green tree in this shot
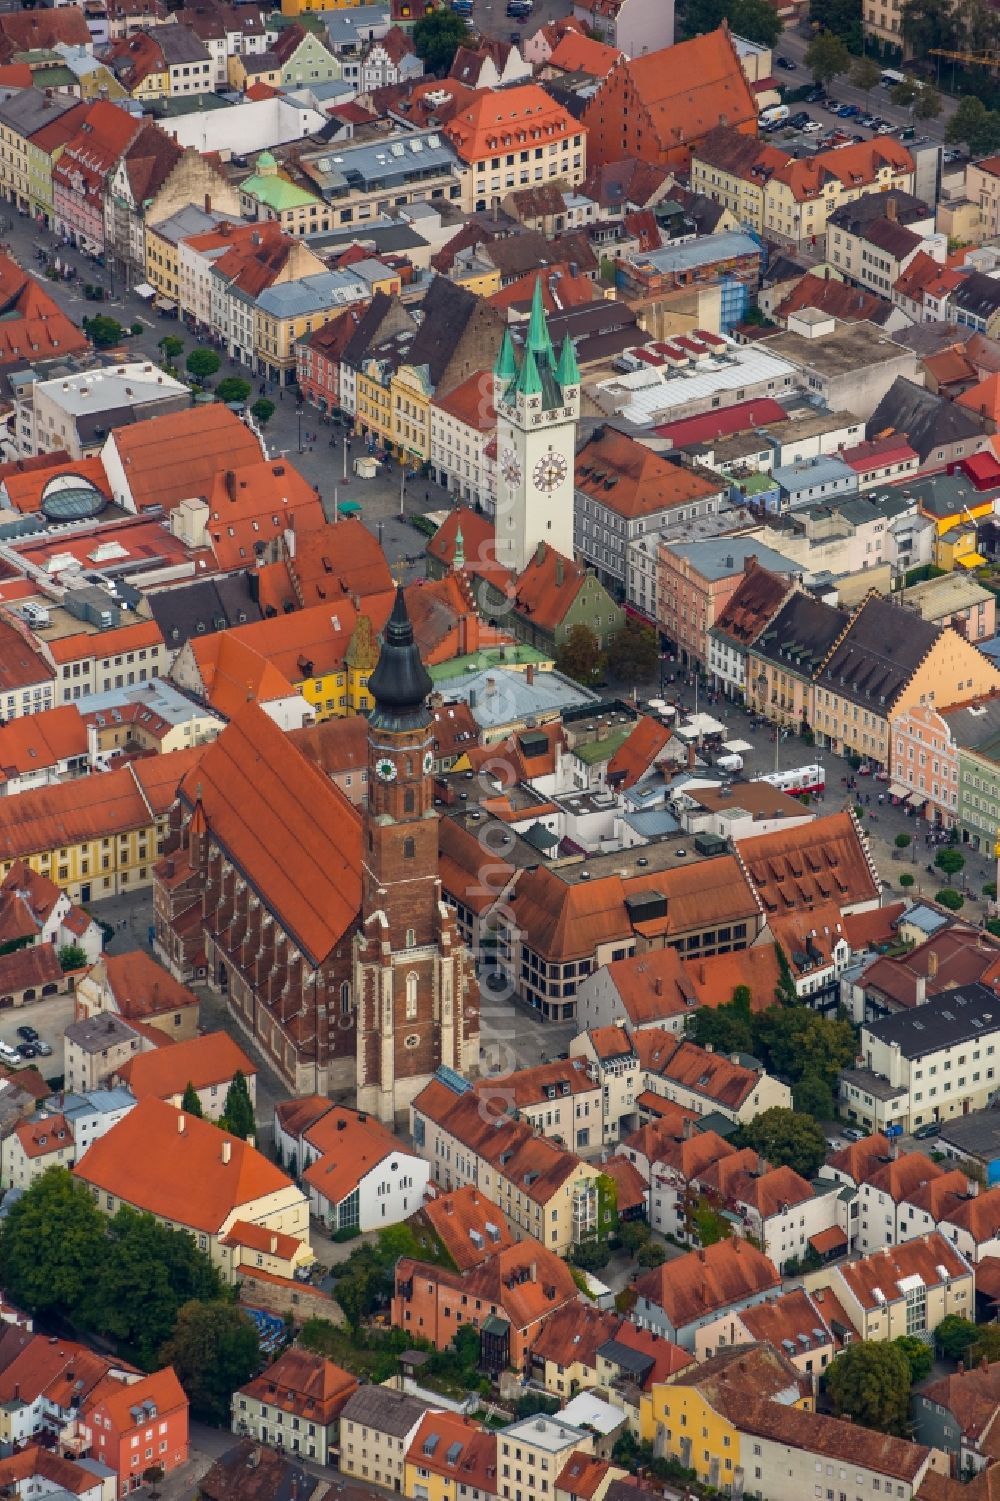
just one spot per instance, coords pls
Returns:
(148, 1273)
(633, 653)
(238, 1110)
(930, 23)
(708, 1225)
(787, 1139)
(633, 1235)
(232, 388)
(50, 1243)
(436, 39)
(929, 105)
(202, 363)
(726, 1029)
(903, 94)
(975, 126)
(903, 841)
(842, 17)
(262, 411)
(865, 74)
(592, 1255)
(870, 1382)
(796, 1041)
(71, 956)
(920, 1356)
(954, 1335)
(651, 1254)
(102, 331)
(950, 861)
(214, 1349)
(171, 347)
(986, 1345)
(906, 880)
(579, 657)
(950, 898)
(753, 19)
(190, 1102)
(813, 1096)
(827, 57)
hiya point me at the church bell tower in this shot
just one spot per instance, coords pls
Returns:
(414, 981)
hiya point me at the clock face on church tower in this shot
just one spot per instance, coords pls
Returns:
(510, 467)
(549, 473)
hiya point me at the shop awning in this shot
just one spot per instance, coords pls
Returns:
(144, 290)
(970, 560)
(917, 799)
(735, 747)
(895, 790)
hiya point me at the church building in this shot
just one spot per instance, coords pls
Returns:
(324, 925)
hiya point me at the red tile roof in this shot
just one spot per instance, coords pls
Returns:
(741, 418)
(456, 1215)
(708, 1281)
(345, 1147)
(286, 825)
(212, 1058)
(523, 113)
(307, 1385)
(794, 869)
(142, 988)
(630, 479)
(172, 458)
(883, 1271)
(182, 1176)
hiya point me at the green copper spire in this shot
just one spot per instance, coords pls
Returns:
(505, 368)
(459, 556)
(528, 381)
(567, 371)
(538, 331)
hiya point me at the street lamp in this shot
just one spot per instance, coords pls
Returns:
(402, 484)
(299, 415)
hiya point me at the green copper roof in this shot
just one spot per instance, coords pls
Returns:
(538, 331)
(505, 368)
(528, 381)
(459, 558)
(567, 371)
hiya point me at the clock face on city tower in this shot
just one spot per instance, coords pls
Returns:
(386, 769)
(549, 473)
(511, 468)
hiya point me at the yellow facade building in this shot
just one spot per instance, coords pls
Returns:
(96, 836)
(410, 394)
(373, 405)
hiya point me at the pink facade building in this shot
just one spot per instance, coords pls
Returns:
(698, 579)
(925, 762)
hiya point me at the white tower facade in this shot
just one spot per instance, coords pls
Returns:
(537, 401)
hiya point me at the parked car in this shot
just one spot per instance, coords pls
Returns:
(867, 121)
(28, 1033)
(811, 128)
(848, 111)
(43, 1049)
(786, 63)
(800, 120)
(853, 1133)
(924, 1133)
(28, 1050)
(815, 96)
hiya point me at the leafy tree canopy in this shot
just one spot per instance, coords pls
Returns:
(72, 956)
(633, 653)
(102, 331)
(870, 1383)
(201, 363)
(827, 57)
(580, 656)
(263, 411)
(436, 39)
(787, 1139)
(190, 1102)
(214, 1349)
(753, 19)
(954, 1335)
(232, 388)
(919, 1355)
(975, 126)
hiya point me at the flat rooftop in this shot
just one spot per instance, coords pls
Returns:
(851, 346)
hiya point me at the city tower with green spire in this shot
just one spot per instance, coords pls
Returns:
(537, 399)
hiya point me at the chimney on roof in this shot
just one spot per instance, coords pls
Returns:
(274, 1240)
(181, 1122)
(534, 1272)
(658, 985)
(688, 1127)
(691, 757)
(921, 987)
(540, 553)
(208, 203)
(560, 573)
(529, 674)
(891, 209)
(227, 1151)
(932, 965)
(449, 1207)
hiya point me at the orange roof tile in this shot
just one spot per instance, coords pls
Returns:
(21, 663)
(39, 1138)
(630, 1184)
(582, 1475)
(983, 399)
(118, 1400)
(50, 1471)
(639, 753)
(289, 827)
(307, 1385)
(33, 327)
(794, 869)
(252, 506)
(456, 1215)
(884, 1270)
(110, 643)
(471, 403)
(630, 479)
(786, 1318)
(212, 1058)
(24, 489)
(574, 53)
(463, 1449)
(504, 119)
(348, 1147)
(92, 807)
(146, 1160)
(707, 1281)
(337, 558)
(262, 1238)
(855, 167)
(41, 740)
(143, 988)
(172, 458)
(234, 673)
(302, 644)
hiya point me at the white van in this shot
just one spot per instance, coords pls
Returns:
(9, 1054)
(730, 762)
(775, 114)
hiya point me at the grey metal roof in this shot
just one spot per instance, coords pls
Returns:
(313, 294)
(95, 1033)
(957, 1016)
(719, 557)
(391, 1412)
(977, 1134)
(822, 470)
(386, 163)
(700, 252)
(345, 26)
(30, 109)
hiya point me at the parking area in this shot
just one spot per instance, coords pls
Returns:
(825, 122)
(49, 1019)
